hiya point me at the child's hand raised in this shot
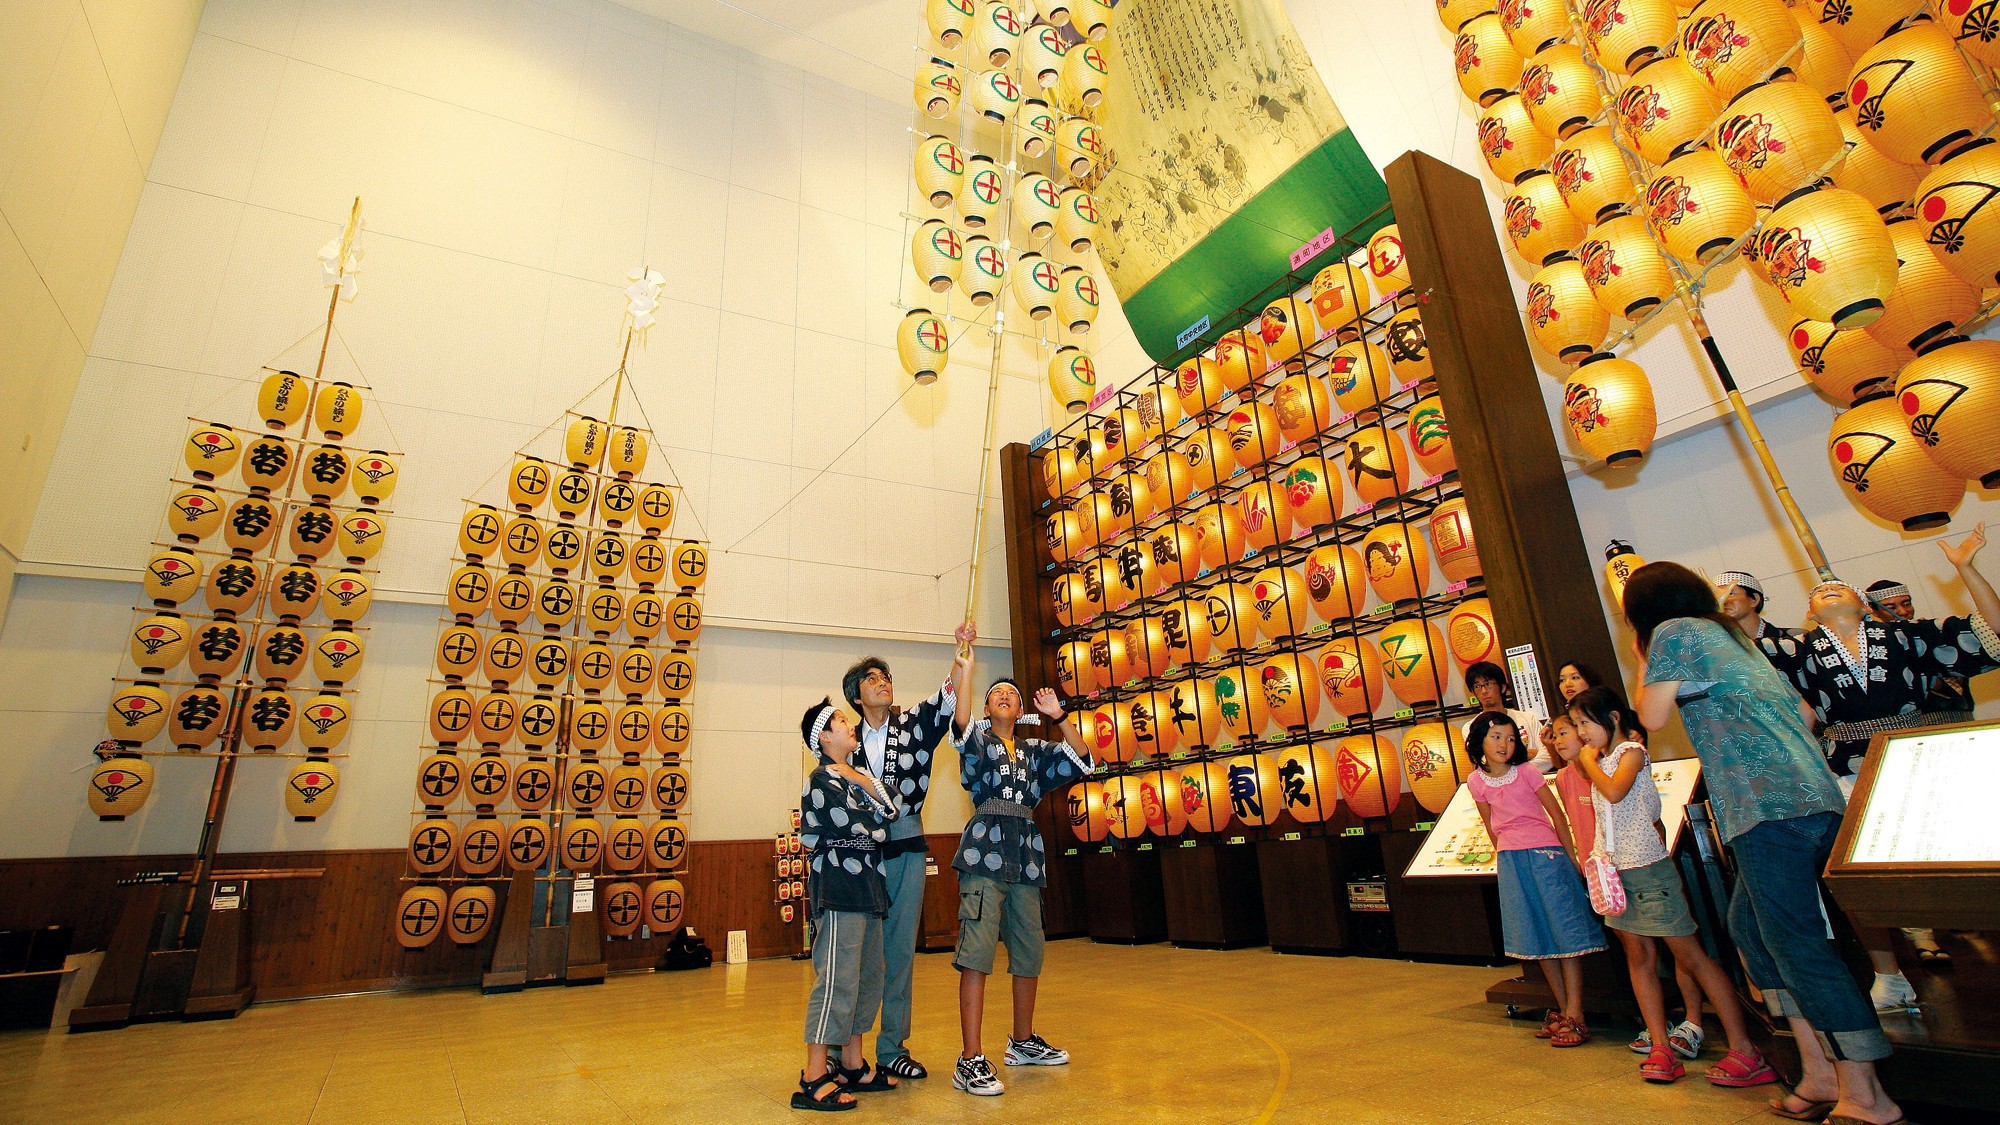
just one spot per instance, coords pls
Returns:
(1047, 703)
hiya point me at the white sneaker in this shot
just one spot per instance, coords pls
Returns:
(1034, 1051)
(1686, 1039)
(975, 1076)
(1892, 993)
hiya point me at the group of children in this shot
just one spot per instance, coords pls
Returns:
(846, 815)
(1601, 801)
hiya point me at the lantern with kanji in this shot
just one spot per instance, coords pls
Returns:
(1377, 466)
(1388, 271)
(1371, 779)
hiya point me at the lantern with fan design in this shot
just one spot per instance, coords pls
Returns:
(1884, 468)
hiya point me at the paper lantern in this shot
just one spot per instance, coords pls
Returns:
(1210, 460)
(419, 916)
(359, 536)
(1280, 602)
(1929, 300)
(513, 597)
(211, 449)
(1563, 314)
(1072, 378)
(1560, 90)
(1388, 271)
(1256, 796)
(1124, 808)
(269, 720)
(1734, 44)
(1311, 491)
(1159, 801)
(1513, 147)
(1620, 561)
(1951, 396)
(668, 789)
(1034, 126)
(1098, 728)
(158, 643)
(1076, 299)
(337, 656)
(1035, 200)
(1843, 362)
(1370, 775)
(1624, 268)
(1176, 549)
(1336, 581)
(664, 900)
(1537, 223)
(937, 88)
(469, 912)
(1591, 175)
(1608, 404)
(1434, 762)
(194, 513)
(938, 251)
(1170, 478)
(1182, 712)
(622, 909)
(1290, 683)
(196, 718)
(527, 843)
(584, 442)
(1042, 52)
(582, 843)
(451, 715)
(683, 620)
(1080, 85)
(1454, 13)
(136, 713)
(374, 477)
(326, 471)
(1339, 294)
(1251, 428)
(594, 669)
(439, 779)
(1205, 796)
(1073, 671)
(573, 491)
(1114, 663)
(624, 844)
(1915, 97)
(1397, 561)
(1079, 146)
(1859, 24)
(948, 20)
(1779, 137)
(1240, 703)
(939, 168)
(1146, 645)
(249, 526)
(313, 531)
(216, 650)
(1083, 810)
(1972, 26)
(538, 723)
(1487, 63)
(1451, 535)
(1829, 256)
(1361, 376)
(1155, 410)
(310, 787)
(1470, 632)
(1666, 107)
(984, 272)
(1623, 34)
(1132, 573)
(1888, 184)
(1286, 328)
(1307, 785)
(655, 515)
(1430, 437)
(493, 717)
(995, 32)
(1533, 24)
(119, 786)
(281, 654)
(1883, 467)
(1822, 63)
(1377, 467)
(1350, 671)
(282, 399)
(172, 576)
(1225, 613)
(1240, 358)
(528, 484)
(1220, 534)
(1408, 348)
(479, 532)
(337, 410)
(1698, 206)
(1410, 653)
(1952, 202)
(666, 845)
(690, 568)
(433, 845)
(267, 464)
(980, 199)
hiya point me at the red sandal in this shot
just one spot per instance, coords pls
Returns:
(1552, 1022)
(1738, 1069)
(1572, 1033)
(1661, 1066)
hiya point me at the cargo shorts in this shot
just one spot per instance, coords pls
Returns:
(991, 912)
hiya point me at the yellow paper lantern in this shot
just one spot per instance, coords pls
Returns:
(1219, 534)
(1624, 269)
(1034, 126)
(1205, 797)
(1822, 63)
(983, 275)
(1408, 348)
(1035, 203)
(338, 654)
(1929, 300)
(683, 620)
(585, 441)
(1209, 457)
(1079, 146)
(1080, 85)
(1286, 328)
(1666, 107)
(282, 399)
(267, 464)
(374, 477)
(1888, 184)
(1883, 467)
(216, 650)
(136, 713)
(119, 786)
(1251, 429)
(211, 449)
(433, 845)
(1451, 535)
(1124, 808)
(196, 718)
(1972, 26)
(1098, 727)
(1189, 708)
(337, 410)
(420, 914)
(1410, 661)
(938, 88)
(1217, 608)
(1430, 437)
(1350, 671)
(995, 32)
(1620, 562)
(627, 455)
(158, 643)
(1608, 404)
(1073, 671)
(1779, 137)
(310, 787)
(469, 912)
(1563, 314)
(1454, 13)
(1279, 602)
(1340, 293)
(1360, 374)
(1951, 396)
(940, 167)
(1256, 796)
(1160, 801)
(1240, 358)
(1734, 44)
(1829, 256)
(1336, 582)
(1560, 90)
(1397, 561)
(194, 513)
(1698, 206)
(1090, 18)
(1470, 631)
(1952, 202)
(1434, 762)
(1915, 97)
(172, 576)
(582, 843)
(665, 899)
(939, 252)
(666, 845)
(281, 655)
(1533, 24)
(1487, 63)
(1311, 491)
(1388, 270)
(1591, 174)
(1377, 466)
(347, 596)
(1624, 34)
(1072, 378)
(1859, 24)
(948, 20)
(1291, 692)
(1843, 362)
(1537, 223)
(1083, 811)
(1370, 774)
(1076, 299)
(1042, 51)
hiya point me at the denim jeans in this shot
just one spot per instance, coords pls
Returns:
(905, 876)
(1776, 920)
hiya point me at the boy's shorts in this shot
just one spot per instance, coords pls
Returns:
(990, 912)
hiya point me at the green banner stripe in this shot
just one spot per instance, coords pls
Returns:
(1334, 186)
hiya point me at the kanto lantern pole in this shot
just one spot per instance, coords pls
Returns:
(985, 471)
(347, 238)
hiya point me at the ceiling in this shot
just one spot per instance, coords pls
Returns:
(865, 44)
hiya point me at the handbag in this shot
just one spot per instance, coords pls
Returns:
(1600, 875)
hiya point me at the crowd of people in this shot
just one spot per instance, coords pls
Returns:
(1780, 718)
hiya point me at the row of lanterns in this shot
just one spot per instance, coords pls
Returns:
(577, 704)
(1858, 128)
(257, 602)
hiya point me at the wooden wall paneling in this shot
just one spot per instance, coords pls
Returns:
(1539, 572)
(938, 932)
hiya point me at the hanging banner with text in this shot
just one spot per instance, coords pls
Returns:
(1225, 155)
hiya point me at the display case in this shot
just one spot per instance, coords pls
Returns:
(1917, 848)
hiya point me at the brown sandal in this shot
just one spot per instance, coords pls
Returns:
(1814, 1111)
(1572, 1033)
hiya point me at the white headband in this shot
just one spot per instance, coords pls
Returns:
(1730, 578)
(1887, 592)
(1848, 586)
(820, 720)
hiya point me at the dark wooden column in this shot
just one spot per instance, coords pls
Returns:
(1540, 575)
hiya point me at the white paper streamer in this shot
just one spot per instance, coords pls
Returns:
(642, 299)
(332, 271)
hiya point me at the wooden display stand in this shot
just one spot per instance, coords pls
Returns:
(1213, 895)
(1305, 893)
(528, 955)
(1451, 917)
(1124, 897)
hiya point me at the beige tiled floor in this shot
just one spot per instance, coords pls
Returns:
(1158, 1034)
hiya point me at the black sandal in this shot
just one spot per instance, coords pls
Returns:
(876, 1083)
(822, 1094)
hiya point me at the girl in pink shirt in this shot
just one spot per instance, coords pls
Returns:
(1545, 913)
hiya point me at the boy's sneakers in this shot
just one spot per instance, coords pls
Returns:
(975, 1076)
(1034, 1051)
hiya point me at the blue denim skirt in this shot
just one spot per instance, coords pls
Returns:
(1544, 906)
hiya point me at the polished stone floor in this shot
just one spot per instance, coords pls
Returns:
(1157, 1034)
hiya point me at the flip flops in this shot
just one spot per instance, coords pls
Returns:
(1814, 1110)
